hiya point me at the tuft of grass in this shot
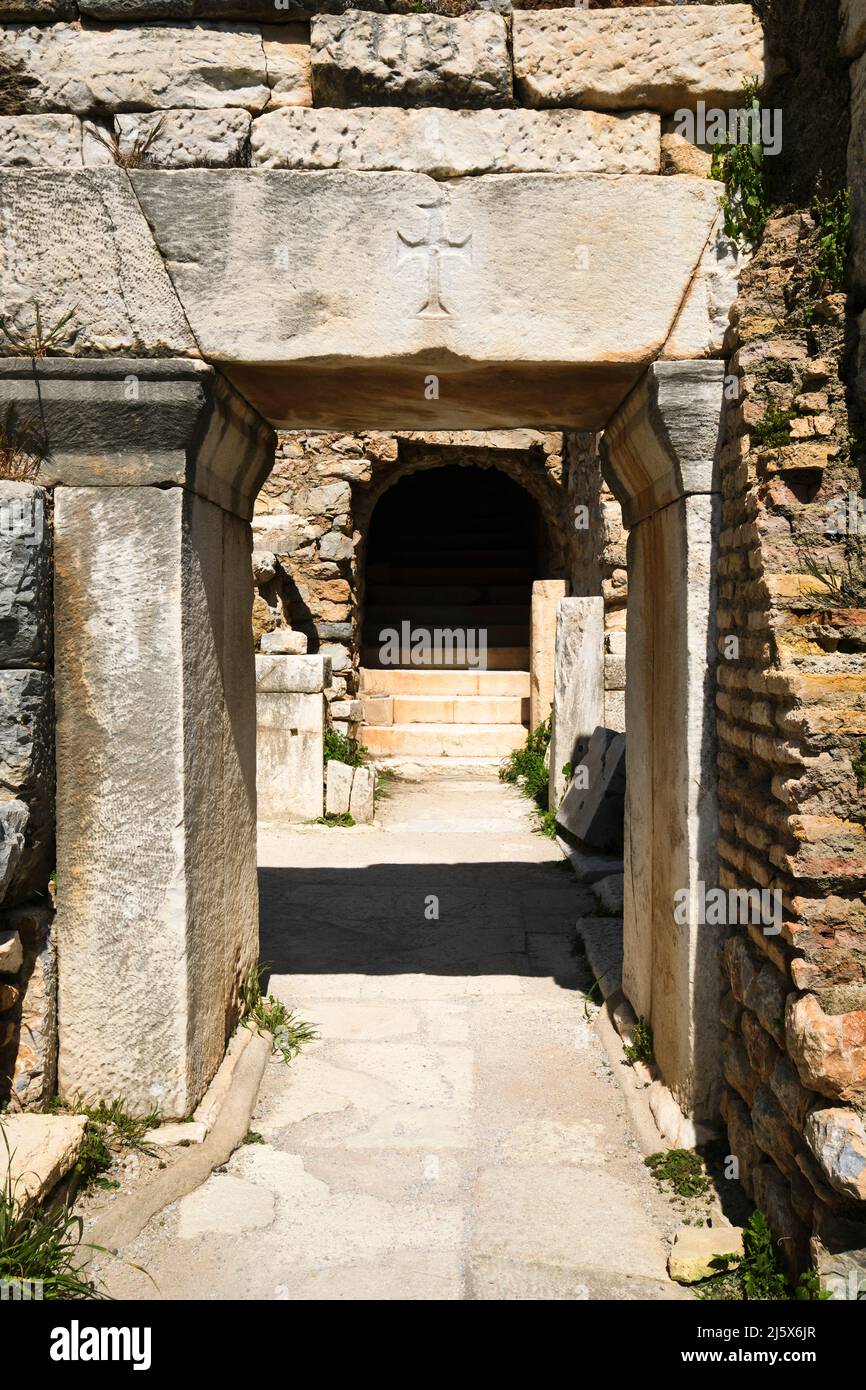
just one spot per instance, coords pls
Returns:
(342, 818)
(136, 156)
(38, 341)
(252, 1136)
(641, 1048)
(41, 1245)
(272, 1016)
(22, 447)
(846, 588)
(109, 1130)
(682, 1169)
(526, 768)
(344, 750)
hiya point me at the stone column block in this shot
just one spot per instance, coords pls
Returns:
(578, 685)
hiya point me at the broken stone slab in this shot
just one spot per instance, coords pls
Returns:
(589, 867)
(26, 581)
(662, 59)
(177, 1133)
(362, 801)
(41, 1150)
(453, 144)
(338, 787)
(284, 641)
(133, 310)
(130, 67)
(11, 952)
(427, 60)
(268, 290)
(14, 816)
(609, 892)
(695, 1248)
(187, 139)
(837, 1138)
(47, 142)
(578, 686)
(300, 675)
(593, 806)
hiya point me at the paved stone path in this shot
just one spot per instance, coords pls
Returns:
(457, 1131)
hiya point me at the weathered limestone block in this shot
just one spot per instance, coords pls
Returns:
(362, 803)
(696, 1247)
(663, 58)
(837, 1138)
(284, 641)
(829, 1050)
(290, 717)
(704, 318)
(267, 287)
(452, 144)
(104, 267)
(423, 60)
(47, 142)
(14, 816)
(592, 808)
(338, 787)
(287, 62)
(26, 579)
(546, 594)
(26, 771)
(156, 869)
(853, 38)
(578, 686)
(43, 1148)
(185, 139)
(78, 68)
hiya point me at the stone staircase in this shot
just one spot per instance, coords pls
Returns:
(443, 720)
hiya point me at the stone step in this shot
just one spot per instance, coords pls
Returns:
(393, 681)
(461, 709)
(422, 767)
(443, 740)
(498, 659)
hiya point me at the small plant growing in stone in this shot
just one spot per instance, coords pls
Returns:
(526, 768)
(846, 587)
(272, 1016)
(110, 1130)
(757, 1276)
(833, 216)
(774, 431)
(341, 749)
(135, 156)
(337, 818)
(740, 167)
(22, 447)
(859, 766)
(682, 1169)
(640, 1049)
(40, 340)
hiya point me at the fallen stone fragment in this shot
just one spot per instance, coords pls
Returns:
(43, 1148)
(695, 1247)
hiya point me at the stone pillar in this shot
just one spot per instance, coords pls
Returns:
(155, 465)
(290, 718)
(578, 685)
(660, 458)
(546, 593)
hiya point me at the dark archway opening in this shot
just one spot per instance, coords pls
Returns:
(457, 548)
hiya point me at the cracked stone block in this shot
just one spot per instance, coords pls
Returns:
(426, 60)
(451, 144)
(287, 59)
(47, 142)
(338, 787)
(594, 812)
(662, 59)
(130, 67)
(184, 139)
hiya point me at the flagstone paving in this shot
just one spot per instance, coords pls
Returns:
(456, 1131)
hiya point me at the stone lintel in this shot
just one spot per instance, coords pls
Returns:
(663, 442)
(138, 422)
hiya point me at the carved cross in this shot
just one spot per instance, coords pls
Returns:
(433, 246)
